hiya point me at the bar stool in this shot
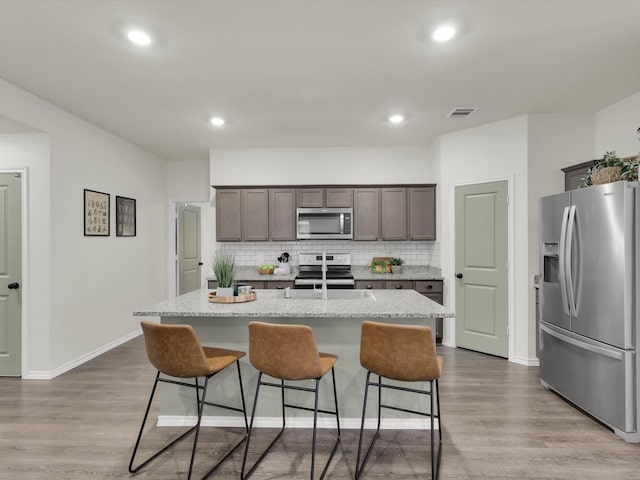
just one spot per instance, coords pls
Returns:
(406, 353)
(175, 351)
(289, 352)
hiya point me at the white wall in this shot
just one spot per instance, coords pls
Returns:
(95, 283)
(489, 152)
(31, 151)
(554, 141)
(188, 182)
(321, 166)
(616, 126)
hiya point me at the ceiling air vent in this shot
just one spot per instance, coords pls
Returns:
(461, 112)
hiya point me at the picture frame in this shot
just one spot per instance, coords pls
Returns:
(97, 218)
(125, 216)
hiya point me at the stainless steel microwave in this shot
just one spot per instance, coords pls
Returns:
(324, 223)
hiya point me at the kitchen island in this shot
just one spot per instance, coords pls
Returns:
(336, 324)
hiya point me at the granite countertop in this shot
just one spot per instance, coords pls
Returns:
(360, 272)
(409, 272)
(271, 304)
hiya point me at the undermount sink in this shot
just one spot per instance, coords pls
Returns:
(308, 294)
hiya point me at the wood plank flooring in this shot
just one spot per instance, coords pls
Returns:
(499, 423)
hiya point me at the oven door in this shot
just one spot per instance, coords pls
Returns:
(334, 283)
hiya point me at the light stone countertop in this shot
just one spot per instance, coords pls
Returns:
(360, 272)
(271, 304)
(409, 272)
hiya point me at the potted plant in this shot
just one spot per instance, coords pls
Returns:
(396, 265)
(224, 268)
(607, 169)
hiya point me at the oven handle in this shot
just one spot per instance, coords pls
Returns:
(311, 281)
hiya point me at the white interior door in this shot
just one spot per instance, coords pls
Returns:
(10, 274)
(189, 250)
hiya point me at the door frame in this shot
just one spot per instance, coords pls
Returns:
(510, 255)
(172, 254)
(24, 265)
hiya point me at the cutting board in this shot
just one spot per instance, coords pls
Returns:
(386, 260)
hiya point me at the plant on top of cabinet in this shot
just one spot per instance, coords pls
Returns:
(611, 168)
(224, 267)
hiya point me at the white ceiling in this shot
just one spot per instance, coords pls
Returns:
(316, 73)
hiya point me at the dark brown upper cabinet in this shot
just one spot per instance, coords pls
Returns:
(228, 215)
(393, 213)
(366, 213)
(255, 215)
(282, 214)
(324, 197)
(422, 213)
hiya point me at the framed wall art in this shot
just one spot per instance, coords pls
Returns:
(125, 217)
(96, 213)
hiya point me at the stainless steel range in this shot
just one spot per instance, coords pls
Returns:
(338, 272)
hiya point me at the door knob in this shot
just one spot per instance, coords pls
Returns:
(200, 263)
(13, 286)
(458, 275)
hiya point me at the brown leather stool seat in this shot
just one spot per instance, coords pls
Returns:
(175, 351)
(405, 353)
(289, 352)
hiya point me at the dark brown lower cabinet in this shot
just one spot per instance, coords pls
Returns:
(429, 288)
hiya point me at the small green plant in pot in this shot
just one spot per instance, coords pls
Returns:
(224, 268)
(396, 265)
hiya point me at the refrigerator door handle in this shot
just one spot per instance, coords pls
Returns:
(585, 346)
(569, 261)
(562, 259)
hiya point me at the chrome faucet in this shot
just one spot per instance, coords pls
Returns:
(324, 275)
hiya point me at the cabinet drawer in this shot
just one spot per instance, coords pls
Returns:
(428, 286)
(436, 297)
(278, 285)
(369, 284)
(399, 284)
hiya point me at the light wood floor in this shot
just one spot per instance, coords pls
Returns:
(499, 423)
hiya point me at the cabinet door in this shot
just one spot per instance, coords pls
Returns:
(393, 217)
(255, 215)
(228, 215)
(422, 213)
(366, 213)
(428, 286)
(282, 214)
(339, 197)
(399, 284)
(310, 197)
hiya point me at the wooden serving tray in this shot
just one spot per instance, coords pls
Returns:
(387, 262)
(247, 297)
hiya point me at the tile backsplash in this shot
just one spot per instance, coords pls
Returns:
(258, 253)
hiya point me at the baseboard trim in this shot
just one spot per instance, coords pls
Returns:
(48, 375)
(528, 362)
(276, 422)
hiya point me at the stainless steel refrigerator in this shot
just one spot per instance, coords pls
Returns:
(588, 329)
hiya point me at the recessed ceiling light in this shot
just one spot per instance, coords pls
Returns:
(396, 118)
(139, 37)
(443, 33)
(217, 121)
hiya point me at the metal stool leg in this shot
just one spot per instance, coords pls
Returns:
(360, 467)
(253, 416)
(133, 469)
